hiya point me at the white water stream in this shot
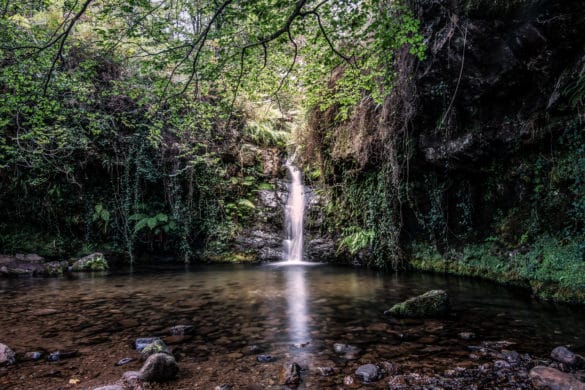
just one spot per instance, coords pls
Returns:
(294, 216)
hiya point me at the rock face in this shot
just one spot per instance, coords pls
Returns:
(547, 378)
(159, 367)
(7, 355)
(93, 262)
(434, 303)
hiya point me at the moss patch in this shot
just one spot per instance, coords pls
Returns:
(433, 303)
(554, 269)
(230, 257)
(91, 263)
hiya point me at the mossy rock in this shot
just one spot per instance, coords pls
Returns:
(157, 346)
(434, 303)
(91, 263)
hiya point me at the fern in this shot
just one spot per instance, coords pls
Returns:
(357, 240)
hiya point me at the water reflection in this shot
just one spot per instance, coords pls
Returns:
(297, 296)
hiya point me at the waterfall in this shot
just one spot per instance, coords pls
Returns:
(294, 215)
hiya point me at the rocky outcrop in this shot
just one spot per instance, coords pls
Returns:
(433, 303)
(494, 72)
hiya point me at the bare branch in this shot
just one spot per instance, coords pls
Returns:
(196, 47)
(63, 37)
(322, 28)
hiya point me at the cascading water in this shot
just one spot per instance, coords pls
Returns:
(294, 216)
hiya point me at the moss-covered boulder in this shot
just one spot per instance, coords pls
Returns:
(90, 263)
(157, 346)
(434, 303)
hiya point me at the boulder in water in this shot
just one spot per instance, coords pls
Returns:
(290, 375)
(552, 379)
(157, 346)
(7, 355)
(54, 268)
(160, 367)
(368, 373)
(349, 352)
(568, 358)
(434, 303)
(94, 262)
(265, 358)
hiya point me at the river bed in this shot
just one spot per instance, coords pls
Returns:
(293, 313)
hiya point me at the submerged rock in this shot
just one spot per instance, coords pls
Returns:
(290, 375)
(34, 356)
(265, 358)
(552, 379)
(565, 356)
(368, 373)
(181, 330)
(349, 352)
(466, 335)
(110, 387)
(59, 355)
(327, 371)
(434, 303)
(252, 350)
(159, 367)
(54, 268)
(123, 361)
(94, 262)
(7, 355)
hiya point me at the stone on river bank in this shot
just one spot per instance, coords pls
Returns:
(434, 303)
(30, 265)
(94, 262)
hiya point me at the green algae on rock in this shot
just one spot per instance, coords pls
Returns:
(434, 303)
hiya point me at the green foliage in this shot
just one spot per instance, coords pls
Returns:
(355, 239)
(369, 74)
(156, 224)
(576, 92)
(553, 268)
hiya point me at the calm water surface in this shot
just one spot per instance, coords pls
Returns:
(291, 312)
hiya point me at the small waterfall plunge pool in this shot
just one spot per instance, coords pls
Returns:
(294, 313)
